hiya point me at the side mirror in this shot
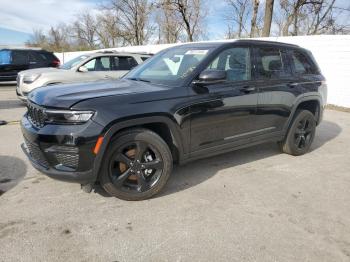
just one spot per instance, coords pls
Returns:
(211, 76)
(83, 69)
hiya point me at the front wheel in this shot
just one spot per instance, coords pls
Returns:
(136, 166)
(300, 135)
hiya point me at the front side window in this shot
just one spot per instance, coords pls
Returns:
(72, 63)
(301, 64)
(270, 63)
(99, 64)
(236, 63)
(171, 67)
(19, 57)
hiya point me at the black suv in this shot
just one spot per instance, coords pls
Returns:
(13, 61)
(186, 102)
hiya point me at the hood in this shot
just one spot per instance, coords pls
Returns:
(40, 70)
(66, 95)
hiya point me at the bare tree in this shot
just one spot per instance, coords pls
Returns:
(322, 17)
(309, 17)
(38, 39)
(169, 23)
(85, 30)
(192, 14)
(268, 18)
(133, 19)
(238, 14)
(253, 25)
(108, 31)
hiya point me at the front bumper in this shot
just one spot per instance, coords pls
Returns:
(63, 152)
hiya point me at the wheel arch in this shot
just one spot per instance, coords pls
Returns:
(312, 103)
(165, 127)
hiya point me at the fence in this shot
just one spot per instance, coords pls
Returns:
(332, 53)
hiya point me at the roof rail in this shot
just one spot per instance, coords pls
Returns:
(9, 47)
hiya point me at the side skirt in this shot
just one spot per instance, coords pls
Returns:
(235, 145)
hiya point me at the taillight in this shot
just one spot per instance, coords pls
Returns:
(56, 63)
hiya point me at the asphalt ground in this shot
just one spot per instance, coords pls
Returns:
(254, 204)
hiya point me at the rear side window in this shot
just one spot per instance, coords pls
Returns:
(124, 63)
(44, 56)
(144, 58)
(5, 57)
(271, 64)
(302, 65)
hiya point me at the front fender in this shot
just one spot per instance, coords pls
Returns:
(116, 127)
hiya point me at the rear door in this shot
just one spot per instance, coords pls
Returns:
(277, 87)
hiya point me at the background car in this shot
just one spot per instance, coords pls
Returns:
(86, 67)
(13, 61)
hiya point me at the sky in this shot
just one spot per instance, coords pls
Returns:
(18, 18)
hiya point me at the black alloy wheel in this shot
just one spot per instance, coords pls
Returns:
(136, 166)
(300, 135)
(303, 133)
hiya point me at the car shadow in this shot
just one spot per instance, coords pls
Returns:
(199, 171)
(194, 173)
(12, 171)
(325, 132)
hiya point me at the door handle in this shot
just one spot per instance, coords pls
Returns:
(292, 85)
(247, 89)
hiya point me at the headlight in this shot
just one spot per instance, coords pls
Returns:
(67, 116)
(30, 78)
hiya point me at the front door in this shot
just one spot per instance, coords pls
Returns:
(225, 113)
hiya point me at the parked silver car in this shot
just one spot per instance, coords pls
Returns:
(87, 67)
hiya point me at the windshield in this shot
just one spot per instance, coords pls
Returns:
(73, 62)
(170, 67)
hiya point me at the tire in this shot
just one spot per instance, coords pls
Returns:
(129, 178)
(300, 134)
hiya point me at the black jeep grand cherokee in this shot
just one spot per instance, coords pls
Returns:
(185, 103)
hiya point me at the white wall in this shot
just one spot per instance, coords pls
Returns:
(332, 53)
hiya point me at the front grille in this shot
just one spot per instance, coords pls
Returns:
(68, 159)
(36, 115)
(36, 154)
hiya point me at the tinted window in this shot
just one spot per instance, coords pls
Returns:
(124, 63)
(270, 63)
(236, 63)
(301, 64)
(35, 57)
(5, 57)
(144, 58)
(19, 57)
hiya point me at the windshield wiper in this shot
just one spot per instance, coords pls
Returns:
(139, 79)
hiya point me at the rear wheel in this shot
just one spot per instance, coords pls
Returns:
(136, 166)
(300, 135)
